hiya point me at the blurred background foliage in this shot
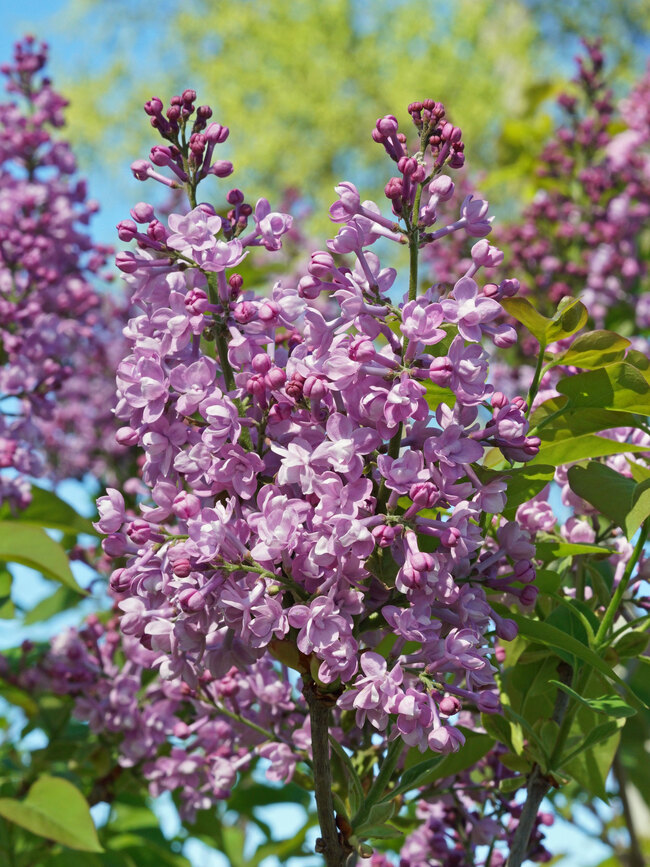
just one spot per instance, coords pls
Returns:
(300, 84)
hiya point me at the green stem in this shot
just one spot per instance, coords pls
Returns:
(613, 606)
(414, 240)
(534, 386)
(269, 736)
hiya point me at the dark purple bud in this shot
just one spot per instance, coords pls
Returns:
(216, 134)
(153, 106)
(488, 702)
(528, 595)
(387, 125)
(234, 197)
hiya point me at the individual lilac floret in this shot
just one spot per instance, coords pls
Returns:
(469, 310)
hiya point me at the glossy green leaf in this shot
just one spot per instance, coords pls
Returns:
(523, 311)
(354, 783)
(61, 600)
(437, 394)
(609, 705)
(556, 420)
(48, 510)
(556, 548)
(7, 610)
(31, 546)
(618, 386)
(622, 500)
(524, 484)
(566, 644)
(570, 317)
(577, 448)
(56, 810)
(594, 349)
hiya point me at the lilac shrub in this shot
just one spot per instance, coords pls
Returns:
(60, 338)
(312, 457)
(585, 232)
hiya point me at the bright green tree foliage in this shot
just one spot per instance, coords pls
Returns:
(300, 84)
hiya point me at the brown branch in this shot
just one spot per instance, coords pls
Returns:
(538, 784)
(634, 856)
(330, 844)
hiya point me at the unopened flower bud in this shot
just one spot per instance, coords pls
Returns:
(186, 505)
(139, 531)
(182, 568)
(488, 702)
(261, 363)
(449, 705)
(126, 436)
(142, 212)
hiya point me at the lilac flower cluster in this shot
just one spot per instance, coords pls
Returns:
(312, 456)
(56, 332)
(192, 742)
(583, 233)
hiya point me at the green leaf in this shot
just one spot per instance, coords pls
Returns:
(379, 832)
(601, 733)
(437, 394)
(594, 349)
(610, 705)
(48, 510)
(622, 500)
(511, 784)
(7, 610)
(639, 472)
(557, 421)
(571, 449)
(18, 697)
(355, 787)
(632, 644)
(523, 311)
(554, 549)
(414, 776)
(62, 599)
(31, 546)
(570, 317)
(56, 810)
(283, 849)
(524, 484)
(617, 386)
(565, 644)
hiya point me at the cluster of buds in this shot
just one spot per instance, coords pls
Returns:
(190, 159)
